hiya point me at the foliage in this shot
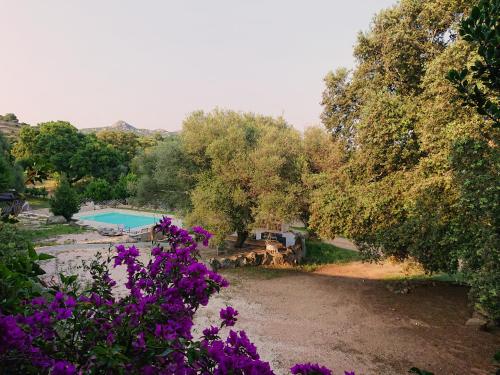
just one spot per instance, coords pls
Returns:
(58, 147)
(232, 171)
(479, 85)
(127, 143)
(249, 171)
(148, 330)
(99, 190)
(51, 145)
(124, 187)
(9, 117)
(164, 175)
(36, 192)
(413, 173)
(10, 173)
(19, 269)
(65, 201)
(97, 159)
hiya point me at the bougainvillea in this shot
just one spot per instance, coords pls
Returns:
(149, 330)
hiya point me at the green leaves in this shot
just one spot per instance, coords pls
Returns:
(480, 87)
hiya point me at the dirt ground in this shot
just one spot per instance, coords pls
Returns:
(353, 323)
(342, 316)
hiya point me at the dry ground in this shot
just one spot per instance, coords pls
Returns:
(342, 316)
(352, 323)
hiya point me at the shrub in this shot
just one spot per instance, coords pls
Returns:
(65, 201)
(147, 331)
(19, 269)
(36, 192)
(99, 190)
(122, 189)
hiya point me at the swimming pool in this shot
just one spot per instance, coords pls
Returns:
(119, 218)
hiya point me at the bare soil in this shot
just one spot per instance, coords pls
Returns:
(342, 316)
(348, 322)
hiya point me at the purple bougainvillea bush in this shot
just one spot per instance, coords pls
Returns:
(148, 331)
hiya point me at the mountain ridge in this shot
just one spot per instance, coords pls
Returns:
(124, 126)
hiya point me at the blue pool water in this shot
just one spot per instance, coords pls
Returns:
(117, 218)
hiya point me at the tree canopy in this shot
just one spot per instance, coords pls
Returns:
(231, 171)
(58, 146)
(414, 164)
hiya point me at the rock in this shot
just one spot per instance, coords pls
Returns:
(277, 259)
(214, 263)
(267, 259)
(399, 287)
(251, 259)
(477, 323)
(227, 263)
(56, 220)
(241, 261)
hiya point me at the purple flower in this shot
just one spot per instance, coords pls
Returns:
(228, 316)
(204, 233)
(211, 333)
(310, 369)
(63, 368)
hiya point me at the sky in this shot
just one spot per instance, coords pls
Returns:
(151, 63)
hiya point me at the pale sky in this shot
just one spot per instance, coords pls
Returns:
(152, 62)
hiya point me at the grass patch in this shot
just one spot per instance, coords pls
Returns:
(320, 253)
(38, 203)
(49, 231)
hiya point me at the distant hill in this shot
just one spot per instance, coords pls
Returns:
(126, 127)
(10, 129)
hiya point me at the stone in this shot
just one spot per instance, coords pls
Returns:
(267, 259)
(278, 259)
(477, 323)
(56, 220)
(227, 263)
(251, 259)
(214, 263)
(241, 261)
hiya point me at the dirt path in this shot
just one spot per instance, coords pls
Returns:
(354, 324)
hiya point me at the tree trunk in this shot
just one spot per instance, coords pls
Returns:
(242, 236)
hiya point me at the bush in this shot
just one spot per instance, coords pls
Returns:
(19, 269)
(122, 188)
(65, 201)
(99, 190)
(36, 192)
(147, 331)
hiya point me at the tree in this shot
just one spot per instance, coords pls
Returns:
(52, 145)
(231, 171)
(127, 143)
(9, 117)
(94, 158)
(165, 175)
(59, 147)
(413, 165)
(11, 176)
(99, 190)
(479, 85)
(65, 201)
(249, 171)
